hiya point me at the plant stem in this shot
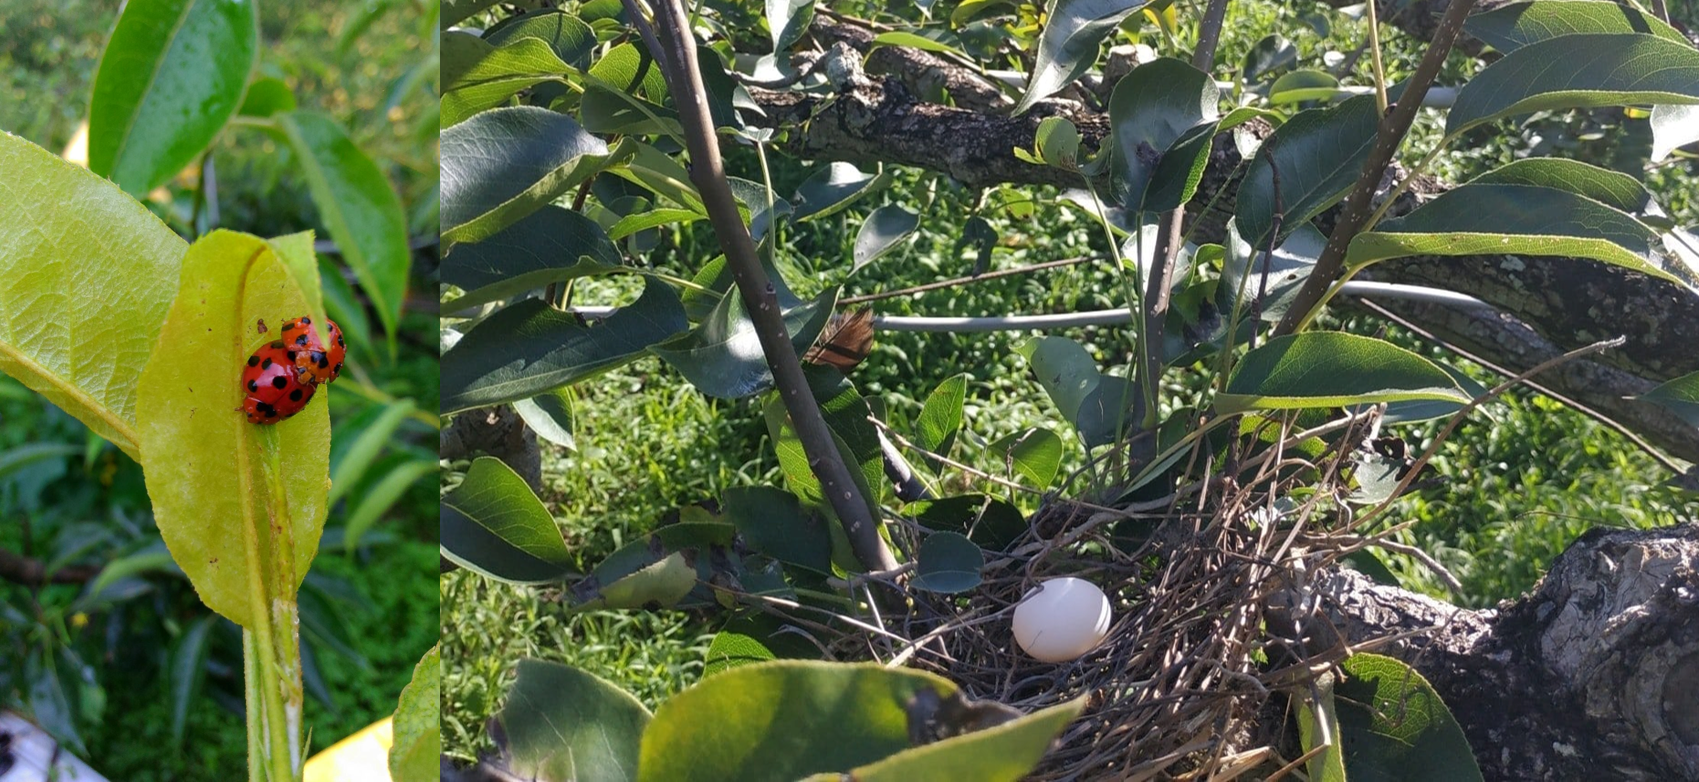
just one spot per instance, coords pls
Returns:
(1374, 50)
(760, 298)
(272, 660)
(1393, 127)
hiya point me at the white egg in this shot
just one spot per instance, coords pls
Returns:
(1061, 619)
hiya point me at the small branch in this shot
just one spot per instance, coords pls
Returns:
(932, 286)
(20, 569)
(1357, 205)
(759, 296)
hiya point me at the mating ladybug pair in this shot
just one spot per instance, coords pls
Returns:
(282, 375)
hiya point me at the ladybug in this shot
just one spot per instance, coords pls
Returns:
(319, 362)
(274, 388)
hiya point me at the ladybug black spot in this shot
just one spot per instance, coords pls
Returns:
(306, 321)
(295, 396)
(266, 364)
(280, 382)
(265, 409)
(253, 386)
(278, 344)
(301, 340)
(323, 362)
(253, 361)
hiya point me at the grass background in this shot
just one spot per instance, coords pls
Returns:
(1520, 481)
(48, 55)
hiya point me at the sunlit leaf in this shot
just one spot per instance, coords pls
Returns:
(494, 525)
(1332, 369)
(418, 739)
(1073, 32)
(1619, 69)
(1317, 156)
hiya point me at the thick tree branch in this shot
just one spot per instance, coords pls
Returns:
(20, 569)
(759, 296)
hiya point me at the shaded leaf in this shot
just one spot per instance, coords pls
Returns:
(773, 522)
(1303, 85)
(551, 244)
(571, 39)
(456, 11)
(1680, 395)
(730, 650)
(723, 358)
(349, 465)
(901, 38)
(1073, 32)
(380, 496)
(883, 230)
(832, 188)
(267, 96)
(172, 74)
(531, 347)
(562, 723)
(494, 525)
(1270, 54)
(504, 163)
(948, 562)
(1393, 724)
(1151, 110)
(549, 414)
(1318, 155)
(1332, 369)
(188, 671)
(988, 521)
(1070, 377)
(1619, 70)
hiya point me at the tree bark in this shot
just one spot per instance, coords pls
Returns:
(1592, 676)
(1560, 303)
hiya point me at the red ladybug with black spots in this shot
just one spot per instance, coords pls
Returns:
(274, 387)
(318, 361)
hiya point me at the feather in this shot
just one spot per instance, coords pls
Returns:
(845, 341)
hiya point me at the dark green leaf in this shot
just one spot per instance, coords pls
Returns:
(505, 163)
(730, 650)
(1318, 154)
(188, 671)
(883, 230)
(1271, 54)
(1069, 375)
(1152, 108)
(571, 39)
(1510, 27)
(1618, 70)
(456, 11)
(901, 38)
(1033, 454)
(773, 522)
(1611, 188)
(1332, 369)
(358, 207)
(172, 74)
(1680, 395)
(655, 218)
(1005, 753)
(551, 244)
(1068, 47)
(1288, 267)
(494, 525)
(460, 52)
(991, 522)
(948, 562)
(625, 94)
(531, 347)
(562, 723)
(722, 356)
(978, 233)
(1395, 727)
(787, 20)
(1497, 219)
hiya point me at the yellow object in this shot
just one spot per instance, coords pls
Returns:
(362, 757)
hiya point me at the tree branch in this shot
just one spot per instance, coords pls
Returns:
(20, 569)
(759, 296)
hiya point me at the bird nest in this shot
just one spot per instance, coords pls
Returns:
(1211, 616)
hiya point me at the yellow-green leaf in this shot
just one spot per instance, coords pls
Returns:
(206, 466)
(417, 740)
(86, 274)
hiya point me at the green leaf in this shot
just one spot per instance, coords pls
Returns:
(351, 464)
(1318, 153)
(846, 414)
(531, 347)
(504, 163)
(461, 51)
(571, 39)
(616, 88)
(172, 74)
(549, 414)
(1318, 722)
(496, 76)
(1680, 395)
(1497, 219)
(912, 41)
(1003, 753)
(19, 457)
(151, 559)
(1099, 406)
(1303, 85)
(267, 96)
(1617, 70)
(773, 522)
(730, 650)
(210, 473)
(653, 218)
(358, 207)
(1073, 32)
(831, 189)
(494, 525)
(551, 244)
(661, 584)
(782, 720)
(722, 357)
(1271, 54)
(1332, 369)
(381, 496)
(787, 20)
(1395, 727)
(948, 563)
(1673, 126)
(418, 741)
(941, 417)
(1288, 267)
(562, 723)
(884, 229)
(456, 11)
(1057, 142)
(1034, 454)
(188, 671)
(989, 521)
(1611, 188)
(1513, 26)
(121, 262)
(1151, 110)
